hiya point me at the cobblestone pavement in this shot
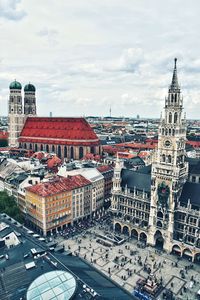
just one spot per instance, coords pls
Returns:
(127, 268)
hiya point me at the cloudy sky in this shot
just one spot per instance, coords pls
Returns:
(84, 56)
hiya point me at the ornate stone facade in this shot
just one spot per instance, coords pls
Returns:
(154, 203)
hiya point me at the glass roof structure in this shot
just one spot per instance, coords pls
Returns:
(54, 285)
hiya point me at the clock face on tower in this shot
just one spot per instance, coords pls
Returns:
(167, 143)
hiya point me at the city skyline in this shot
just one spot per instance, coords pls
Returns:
(89, 56)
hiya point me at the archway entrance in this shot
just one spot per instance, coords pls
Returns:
(187, 253)
(118, 228)
(134, 234)
(176, 250)
(143, 237)
(159, 241)
(125, 230)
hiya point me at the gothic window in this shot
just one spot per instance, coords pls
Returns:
(159, 224)
(163, 157)
(172, 98)
(175, 117)
(163, 131)
(160, 215)
(47, 148)
(30, 146)
(41, 147)
(53, 148)
(59, 151)
(166, 132)
(72, 153)
(175, 98)
(169, 159)
(65, 151)
(25, 146)
(173, 131)
(80, 152)
(170, 117)
(92, 150)
(170, 131)
(36, 148)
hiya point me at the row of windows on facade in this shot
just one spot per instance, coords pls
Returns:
(190, 230)
(184, 218)
(46, 148)
(171, 131)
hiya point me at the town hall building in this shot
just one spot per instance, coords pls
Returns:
(159, 204)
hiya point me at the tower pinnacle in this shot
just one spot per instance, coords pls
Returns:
(174, 85)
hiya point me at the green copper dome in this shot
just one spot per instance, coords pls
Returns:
(15, 85)
(29, 88)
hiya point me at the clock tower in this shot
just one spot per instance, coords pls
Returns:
(169, 170)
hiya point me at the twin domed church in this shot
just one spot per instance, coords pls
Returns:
(68, 137)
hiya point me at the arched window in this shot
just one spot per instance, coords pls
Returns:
(169, 159)
(175, 98)
(80, 152)
(166, 132)
(72, 152)
(24, 145)
(92, 150)
(159, 214)
(65, 151)
(47, 148)
(41, 147)
(172, 98)
(175, 117)
(170, 117)
(173, 132)
(170, 131)
(59, 151)
(36, 148)
(163, 157)
(163, 131)
(30, 146)
(53, 148)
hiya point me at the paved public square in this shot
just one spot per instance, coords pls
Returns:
(129, 262)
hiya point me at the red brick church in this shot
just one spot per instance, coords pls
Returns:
(70, 138)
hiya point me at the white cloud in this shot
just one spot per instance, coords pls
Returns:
(85, 56)
(10, 9)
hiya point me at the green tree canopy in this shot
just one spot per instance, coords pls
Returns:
(9, 206)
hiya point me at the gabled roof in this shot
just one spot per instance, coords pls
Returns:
(58, 131)
(104, 168)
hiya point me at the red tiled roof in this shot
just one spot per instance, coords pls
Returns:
(73, 131)
(58, 185)
(53, 162)
(3, 135)
(104, 168)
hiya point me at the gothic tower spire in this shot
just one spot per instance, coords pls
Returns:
(174, 84)
(169, 170)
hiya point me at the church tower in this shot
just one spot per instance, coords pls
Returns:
(116, 184)
(15, 113)
(169, 170)
(29, 100)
